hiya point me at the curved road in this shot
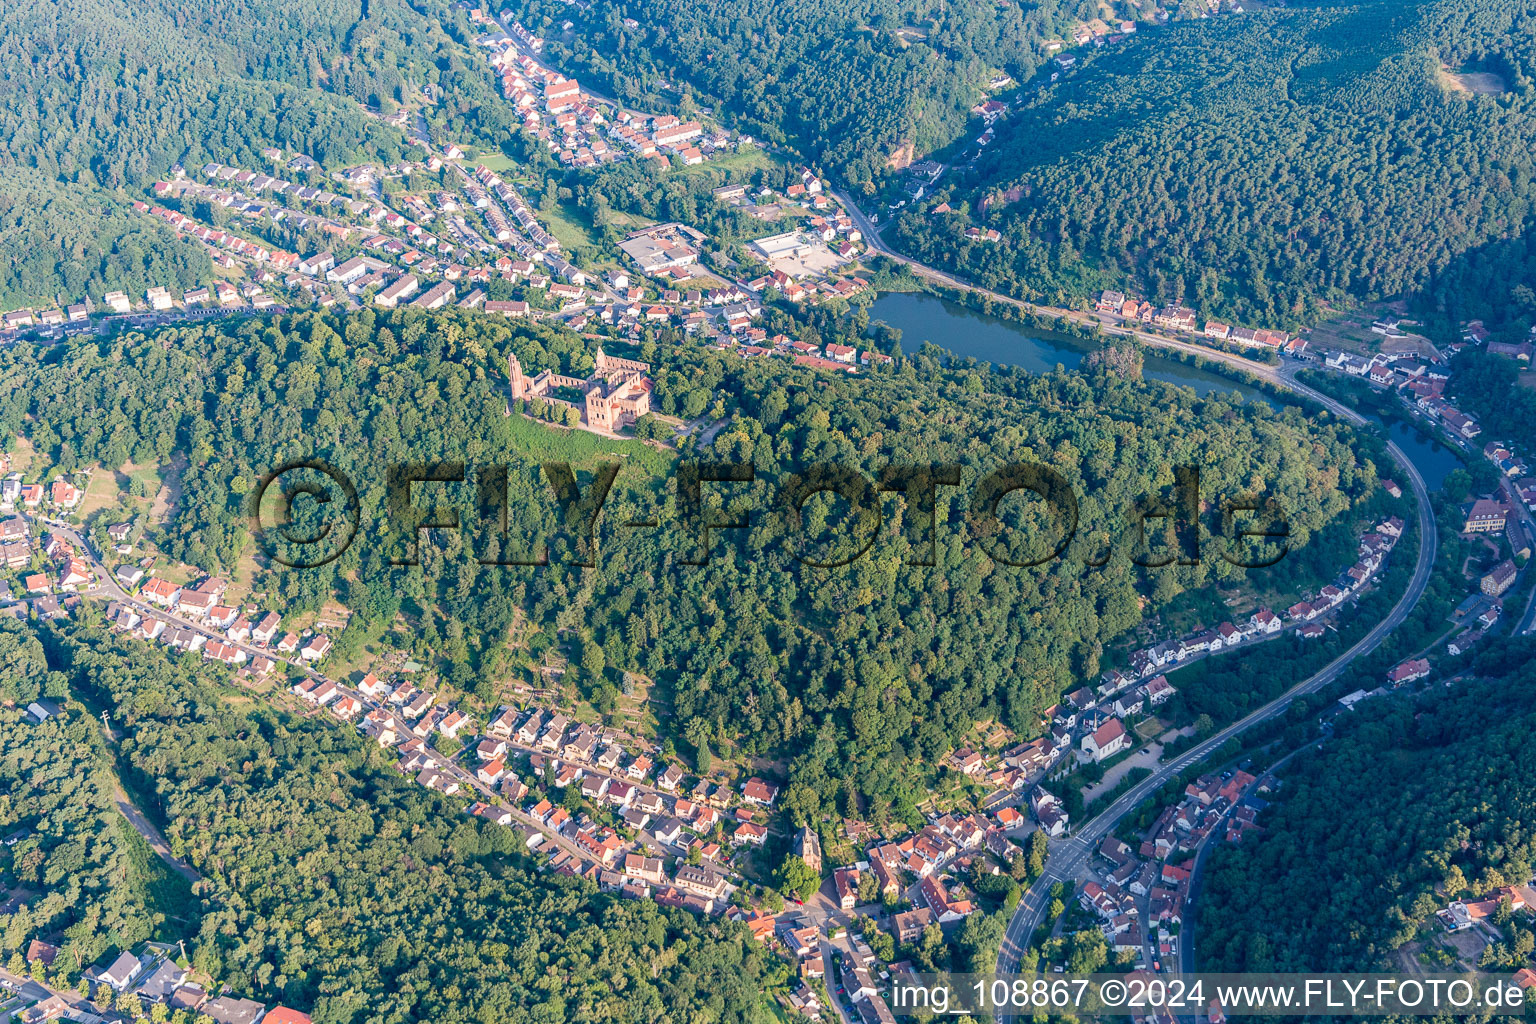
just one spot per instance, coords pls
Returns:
(1067, 855)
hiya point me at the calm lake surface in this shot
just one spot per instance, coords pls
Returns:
(967, 332)
(1433, 459)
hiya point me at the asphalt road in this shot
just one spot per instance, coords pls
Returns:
(1067, 855)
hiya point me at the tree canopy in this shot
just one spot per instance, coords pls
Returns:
(858, 673)
(1258, 167)
(1418, 801)
(329, 881)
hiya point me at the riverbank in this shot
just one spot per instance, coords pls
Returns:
(967, 326)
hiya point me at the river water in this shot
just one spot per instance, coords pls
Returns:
(967, 332)
(1433, 459)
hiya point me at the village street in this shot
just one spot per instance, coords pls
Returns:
(1068, 856)
(142, 825)
(26, 991)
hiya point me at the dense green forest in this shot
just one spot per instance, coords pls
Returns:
(103, 97)
(1418, 800)
(74, 854)
(66, 243)
(59, 793)
(1495, 284)
(1490, 384)
(113, 95)
(848, 84)
(863, 669)
(329, 881)
(1259, 167)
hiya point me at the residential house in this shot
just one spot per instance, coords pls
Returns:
(668, 831)
(749, 834)
(266, 629)
(315, 648)
(1408, 671)
(121, 972)
(1049, 812)
(846, 881)
(647, 869)
(528, 732)
(756, 791)
(909, 926)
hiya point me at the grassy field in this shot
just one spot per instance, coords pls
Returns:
(242, 579)
(629, 222)
(772, 1003)
(1350, 332)
(582, 448)
(169, 491)
(108, 490)
(566, 224)
(180, 575)
(744, 162)
(332, 617)
(498, 162)
(169, 893)
(100, 493)
(352, 670)
(147, 475)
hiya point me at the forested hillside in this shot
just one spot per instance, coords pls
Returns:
(1495, 284)
(864, 669)
(115, 94)
(1260, 166)
(330, 881)
(1418, 801)
(1490, 382)
(848, 83)
(103, 97)
(78, 241)
(59, 793)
